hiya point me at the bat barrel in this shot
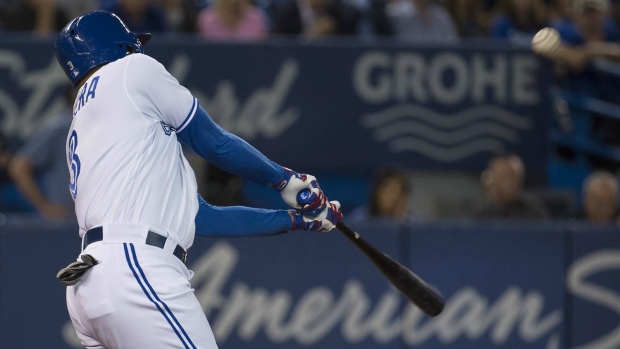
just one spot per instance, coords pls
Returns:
(407, 282)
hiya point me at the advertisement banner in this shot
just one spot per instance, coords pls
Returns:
(352, 106)
(593, 279)
(519, 286)
(503, 285)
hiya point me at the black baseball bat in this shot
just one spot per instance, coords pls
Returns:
(406, 281)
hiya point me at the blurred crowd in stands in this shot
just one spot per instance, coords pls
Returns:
(430, 20)
(590, 27)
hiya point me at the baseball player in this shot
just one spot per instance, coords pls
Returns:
(135, 193)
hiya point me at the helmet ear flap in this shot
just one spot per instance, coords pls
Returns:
(131, 47)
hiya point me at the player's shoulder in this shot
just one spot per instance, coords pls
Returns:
(144, 64)
(144, 72)
(143, 59)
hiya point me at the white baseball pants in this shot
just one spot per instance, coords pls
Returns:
(139, 296)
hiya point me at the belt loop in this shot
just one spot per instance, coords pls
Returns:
(171, 242)
(83, 241)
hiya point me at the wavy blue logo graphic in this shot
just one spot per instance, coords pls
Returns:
(446, 138)
(74, 163)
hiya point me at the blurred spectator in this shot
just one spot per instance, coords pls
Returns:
(600, 198)
(232, 20)
(221, 188)
(75, 8)
(503, 185)
(561, 11)
(615, 11)
(38, 16)
(589, 35)
(420, 20)
(10, 198)
(390, 198)
(39, 168)
(315, 18)
(181, 15)
(5, 180)
(5, 157)
(381, 24)
(519, 21)
(372, 20)
(141, 16)
(470, 17)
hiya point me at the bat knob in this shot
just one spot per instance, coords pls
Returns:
(303, 196)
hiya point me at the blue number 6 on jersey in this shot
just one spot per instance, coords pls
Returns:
(74, 163)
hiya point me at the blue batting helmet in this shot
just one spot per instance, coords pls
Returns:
(93, 39)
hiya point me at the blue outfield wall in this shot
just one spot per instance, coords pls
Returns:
(507, 286)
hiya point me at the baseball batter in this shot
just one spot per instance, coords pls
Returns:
(135, 193)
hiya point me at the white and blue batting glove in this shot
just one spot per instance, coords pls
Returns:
(292, 183)
(324, 222)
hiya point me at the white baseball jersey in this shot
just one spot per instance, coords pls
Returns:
(125, 119)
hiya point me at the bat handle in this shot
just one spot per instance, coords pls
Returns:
(303, 197)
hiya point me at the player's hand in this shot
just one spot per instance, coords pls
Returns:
(324, 222)
(292, 183)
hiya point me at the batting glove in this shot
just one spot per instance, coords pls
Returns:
(324, 222)
(292, 183)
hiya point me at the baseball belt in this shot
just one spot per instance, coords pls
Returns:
(71, 274)
(153, 239)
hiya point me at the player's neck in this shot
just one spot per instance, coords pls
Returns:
(87, 76)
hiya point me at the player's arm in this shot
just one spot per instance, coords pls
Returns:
(158, 95)
(235, 221)
(574, 57)
(577, 57)
(232, 154)
(570, 50)
(227, 151)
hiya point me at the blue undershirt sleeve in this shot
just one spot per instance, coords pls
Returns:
(227, 151)
(231, 221)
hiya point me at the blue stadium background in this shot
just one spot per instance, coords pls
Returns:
(336, 109)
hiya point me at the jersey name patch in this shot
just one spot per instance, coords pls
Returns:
(84, 96)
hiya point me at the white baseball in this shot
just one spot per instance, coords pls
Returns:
(546, 41)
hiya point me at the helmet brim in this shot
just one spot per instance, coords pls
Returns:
(143, 37)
